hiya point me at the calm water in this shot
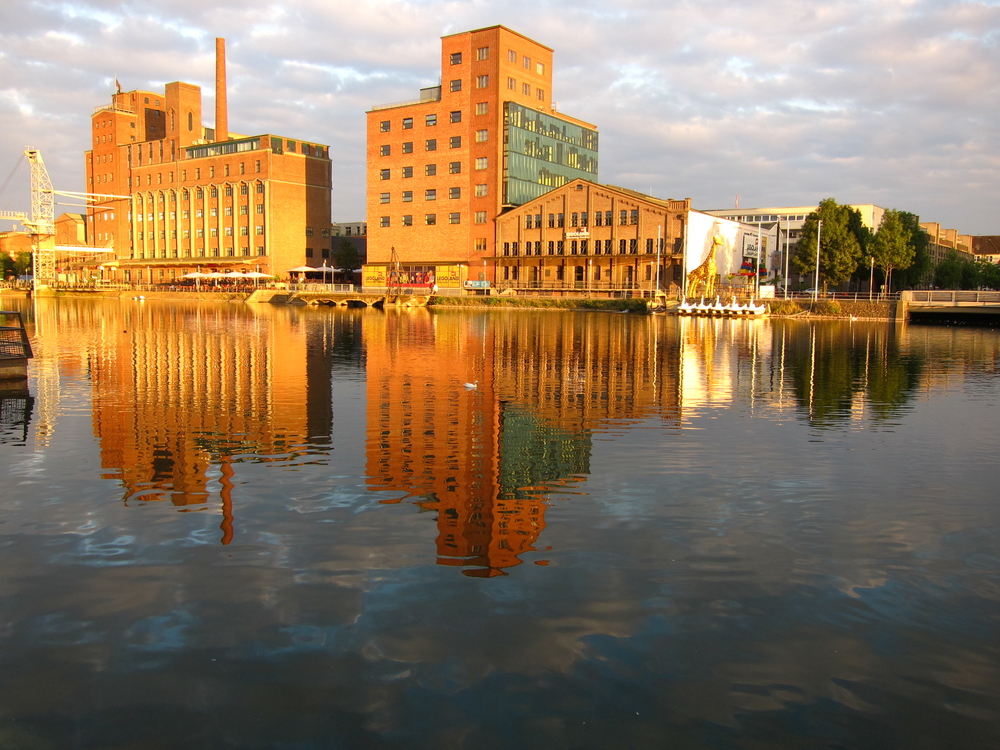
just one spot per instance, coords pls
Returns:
(234, 526)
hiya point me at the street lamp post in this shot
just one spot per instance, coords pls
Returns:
(819, 230)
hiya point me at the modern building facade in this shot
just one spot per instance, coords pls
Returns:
(181, 196)
(442, 168)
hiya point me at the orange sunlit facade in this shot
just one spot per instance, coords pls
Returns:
(181, 196)
(443, 167)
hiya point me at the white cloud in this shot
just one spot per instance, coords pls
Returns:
(780, 102)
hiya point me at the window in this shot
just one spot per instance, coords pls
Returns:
(455, 116)
(455, 141)
(633, 216)
(483, 53)
(540, 93)
(561, 220)
(244, 189)
(482, 108)
(455, 218)
(382, 126)
(584, 219)
(430, 170)
(260, 208)
(511, 56)
(482, 162)
(408, 220)
(430, 219)
(623, 246)
(407, 196)
(408, 147)
(407, 171)
(481, 245)
(623, 217)
(383, 198)
(431, 144)
(482, 136)
(526, 89)
(309, 231)
(383, 221)
(574, 219)
(213, 212)
(633, 246)
(527, 63)
(431, 120)
(552, 221)
(229, 211)
(540, 68)
(385, 150)
(512, 84)
(214, 191)
(482, 82)
(481, 190)
(528, 221)
(455, 193)
(407, 123)
(455, 85)
(455, 167)
(560, 247)
(260, 187)
(456, 58)
(430, 195)
(649, 244)
(480, 217)
(383, 174)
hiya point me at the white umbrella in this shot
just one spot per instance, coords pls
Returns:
(234, 275)
(258, 275)
(194, 275)
(215, 275)
(302, 269)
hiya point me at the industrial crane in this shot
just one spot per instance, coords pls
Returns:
(41, 222)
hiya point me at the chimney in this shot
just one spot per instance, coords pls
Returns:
(221, 108)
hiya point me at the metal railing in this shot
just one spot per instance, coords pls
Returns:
(14, 343)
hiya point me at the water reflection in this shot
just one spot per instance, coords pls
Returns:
(182, 393)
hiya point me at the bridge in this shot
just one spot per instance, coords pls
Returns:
(949, 304)
(339, 298)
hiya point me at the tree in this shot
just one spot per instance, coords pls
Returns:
(892, 246)
(948, 273)
(22, 263)
(346, 256)
(840, 242)
(918, 272)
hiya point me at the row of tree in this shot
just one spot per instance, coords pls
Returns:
(898, 251)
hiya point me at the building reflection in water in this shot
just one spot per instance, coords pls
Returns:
(181, 392)
(486, 458)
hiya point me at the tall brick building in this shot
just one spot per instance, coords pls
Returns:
(201, 198)
(443, 167)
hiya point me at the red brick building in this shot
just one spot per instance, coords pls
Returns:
(441, 168)
(201, 198)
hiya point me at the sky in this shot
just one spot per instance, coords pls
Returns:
(774, 103)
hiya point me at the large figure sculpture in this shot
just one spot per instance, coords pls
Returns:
(706, 272)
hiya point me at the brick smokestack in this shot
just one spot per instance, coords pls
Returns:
(221, 105)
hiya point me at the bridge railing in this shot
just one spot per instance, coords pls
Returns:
(952, 296)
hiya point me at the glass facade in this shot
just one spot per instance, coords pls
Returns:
(543, 152)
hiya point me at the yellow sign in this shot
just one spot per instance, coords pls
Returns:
(449, 276)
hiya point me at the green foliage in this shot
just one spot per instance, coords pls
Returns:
(892, 246)
(783, 307)
(22, 263)
(346, 256)
(841, 242)
(828, 307)
(918, 271)
(958, 273)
